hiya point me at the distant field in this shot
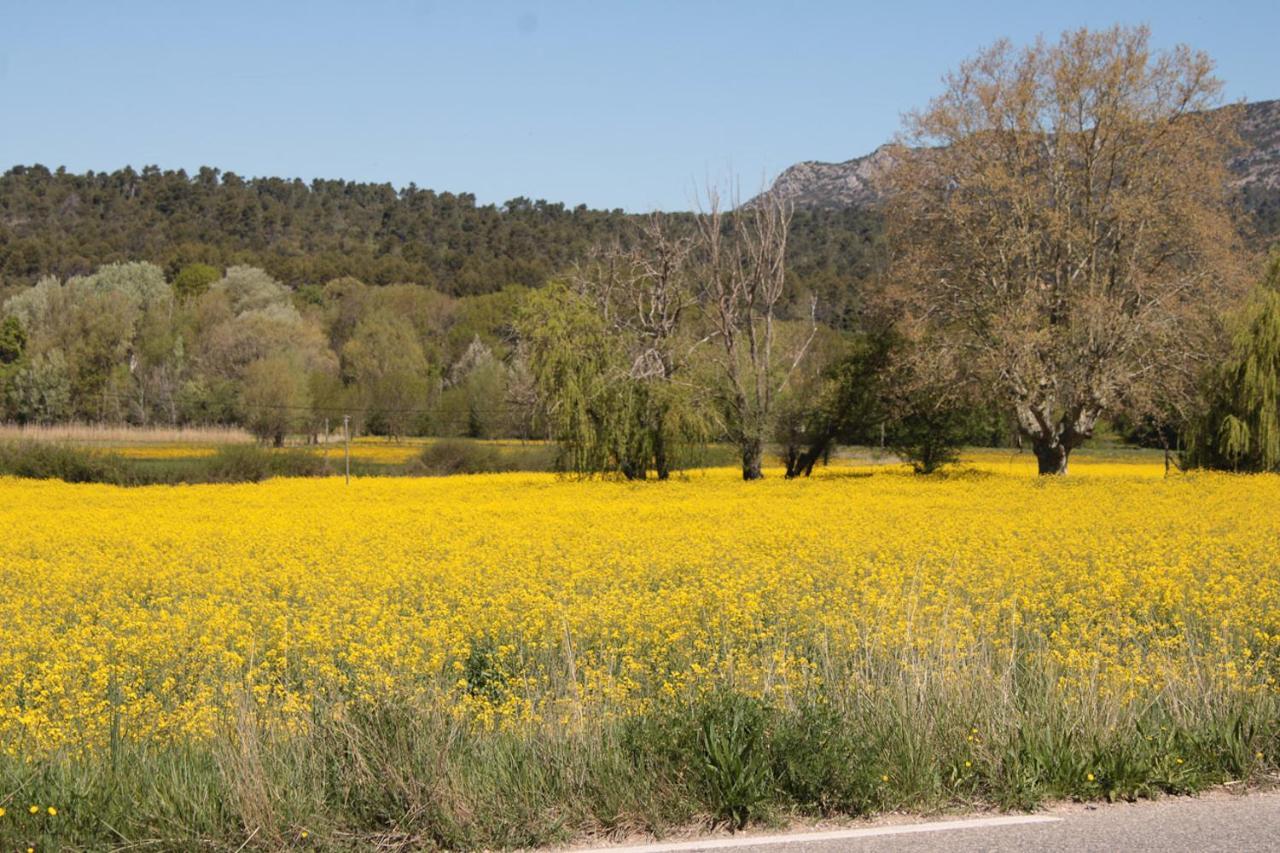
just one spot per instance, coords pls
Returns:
(129, 456)
(515, 659)
(373, 454)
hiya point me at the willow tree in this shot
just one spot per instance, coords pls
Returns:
(1240, 428)
(1061, 215)
(601, 390)
(642, 295)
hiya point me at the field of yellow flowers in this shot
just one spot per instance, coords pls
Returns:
(1122, 612)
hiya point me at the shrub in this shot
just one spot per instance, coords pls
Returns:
(732, 749)
(49, 461)
(234, 463)
(247, 463)
(459, 456)
(442, 458)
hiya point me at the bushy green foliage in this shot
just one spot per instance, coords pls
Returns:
(194, 279)
(731, 746)
(276, 397)
(929, 433)
(385, 361)
(843, 401)
(459, 456)
(246, 463)
(236, 463)
(38, 389)
(13, 340)
(589, 402)
(605, 416)
(41, 460)
(1240, 427)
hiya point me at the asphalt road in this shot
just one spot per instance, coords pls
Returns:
(1213, 822)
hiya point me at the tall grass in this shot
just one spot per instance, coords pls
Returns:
(414, 775)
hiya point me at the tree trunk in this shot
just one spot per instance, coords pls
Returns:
(1051, 457)
(791, 458)
(752, 456)
(1053, 440)
(818, 450)
(661, 464)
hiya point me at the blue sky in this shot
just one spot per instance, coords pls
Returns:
(604, 103)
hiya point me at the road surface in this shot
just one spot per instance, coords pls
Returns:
(1213, 822)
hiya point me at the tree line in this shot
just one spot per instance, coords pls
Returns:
(1058, 249)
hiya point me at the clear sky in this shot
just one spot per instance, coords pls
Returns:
(606, 103)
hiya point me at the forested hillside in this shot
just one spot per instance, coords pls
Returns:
(64, 224)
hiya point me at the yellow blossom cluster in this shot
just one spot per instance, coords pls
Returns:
(157, 612)
(161, 451)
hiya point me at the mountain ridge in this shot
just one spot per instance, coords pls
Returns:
(852, 183)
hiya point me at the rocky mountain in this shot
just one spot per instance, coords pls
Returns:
(814, 184)
(833, 185)
(1259, 164)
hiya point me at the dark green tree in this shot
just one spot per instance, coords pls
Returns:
(843, 406)
(13, 340)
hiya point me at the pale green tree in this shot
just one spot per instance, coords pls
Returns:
(276, 397)
(385, 362)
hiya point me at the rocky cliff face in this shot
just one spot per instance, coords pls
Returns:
(848, 184)
(812, 184)
(1259, 165)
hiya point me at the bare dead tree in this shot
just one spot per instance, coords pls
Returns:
(741, 262)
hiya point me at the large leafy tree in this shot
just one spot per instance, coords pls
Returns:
(384, 361)
(276, 397)
(840, 400)
(1062, 220)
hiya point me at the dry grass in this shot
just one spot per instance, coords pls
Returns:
(82, 433)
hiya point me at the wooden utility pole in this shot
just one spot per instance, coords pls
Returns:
(346, 436)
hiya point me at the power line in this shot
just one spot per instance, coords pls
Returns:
(337, 410)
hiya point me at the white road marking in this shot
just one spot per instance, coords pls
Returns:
(833, 835)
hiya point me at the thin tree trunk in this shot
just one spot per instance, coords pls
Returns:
(661, 464)
(791, 461)
(809, 458)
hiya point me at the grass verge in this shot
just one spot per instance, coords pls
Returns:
(404, 777)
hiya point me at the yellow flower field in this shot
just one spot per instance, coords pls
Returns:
(515, 600)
